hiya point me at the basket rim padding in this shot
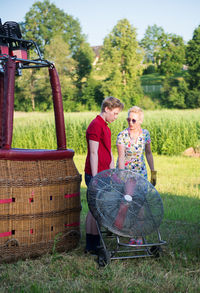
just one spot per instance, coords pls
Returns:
(35, 154)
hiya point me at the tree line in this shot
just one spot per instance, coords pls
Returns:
(122, 62)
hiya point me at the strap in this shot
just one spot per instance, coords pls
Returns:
(7, 200)
(5, 234)
(72, 195)
(72, 224)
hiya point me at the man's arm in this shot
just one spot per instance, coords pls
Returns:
(112, 164)
(94, 146)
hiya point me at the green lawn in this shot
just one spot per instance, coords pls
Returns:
(152, 79)
(157, 79)
(177, 270)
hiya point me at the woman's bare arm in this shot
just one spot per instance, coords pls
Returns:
(121, 156)
(149, 156)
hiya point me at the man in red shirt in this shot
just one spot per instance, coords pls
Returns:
(99, 157)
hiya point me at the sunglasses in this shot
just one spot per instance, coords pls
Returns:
(131, 120)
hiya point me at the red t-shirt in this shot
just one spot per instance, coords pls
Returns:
(98, 130)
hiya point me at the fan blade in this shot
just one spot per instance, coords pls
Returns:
(119, 220)
(129, 190)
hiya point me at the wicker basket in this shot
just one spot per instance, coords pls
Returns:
(39, 189)
(38, 200)
(35, 235)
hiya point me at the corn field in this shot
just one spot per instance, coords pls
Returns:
(172, 131)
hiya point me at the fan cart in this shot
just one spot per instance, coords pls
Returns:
(126, 206)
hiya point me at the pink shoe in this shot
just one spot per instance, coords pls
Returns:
(132, 241)
(139, 242)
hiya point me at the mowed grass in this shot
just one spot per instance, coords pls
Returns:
(178, 182)
(177, 270)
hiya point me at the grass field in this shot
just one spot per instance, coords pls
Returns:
(157, 79)
(171, 131)
(177, 270)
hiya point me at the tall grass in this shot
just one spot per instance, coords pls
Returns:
(172, 131)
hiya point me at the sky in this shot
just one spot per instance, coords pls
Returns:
(98, 18)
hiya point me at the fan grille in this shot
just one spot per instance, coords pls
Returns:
(125, 203)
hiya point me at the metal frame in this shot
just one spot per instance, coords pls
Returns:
(11, 65)
(23, 63)
(124, 250)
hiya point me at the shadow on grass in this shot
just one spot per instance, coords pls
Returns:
(181, 224)
(182, 238)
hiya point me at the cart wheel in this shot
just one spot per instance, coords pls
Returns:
(103, 257)
(155, 251)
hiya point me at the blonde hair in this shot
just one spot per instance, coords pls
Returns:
(137, 110)
(111, 103)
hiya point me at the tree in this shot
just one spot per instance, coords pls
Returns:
(44, 20)
(193, 60)
(58, 52)
(25, 91)
(26, 88)
(120, 64)
(151, 41)
(84, 58)
(174, 93)
(92, 95)
(170, 56)
(44, 24)
(34, 84)
(192, 99)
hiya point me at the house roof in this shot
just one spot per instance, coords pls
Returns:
(96, 50)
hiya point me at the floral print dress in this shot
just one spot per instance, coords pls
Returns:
(134, 150)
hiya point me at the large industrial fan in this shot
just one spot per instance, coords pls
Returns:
(127, 205)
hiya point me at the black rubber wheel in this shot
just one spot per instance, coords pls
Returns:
(155, 251)
(103, 257)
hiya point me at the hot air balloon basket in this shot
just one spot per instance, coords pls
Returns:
(40, 207)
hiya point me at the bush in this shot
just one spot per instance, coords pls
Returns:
(92, 95)
(173, 93)
(150, 101)
(192, 99)
(150, 69)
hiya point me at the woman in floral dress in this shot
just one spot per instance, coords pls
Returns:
(132, 143)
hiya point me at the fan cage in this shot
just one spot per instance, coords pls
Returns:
(107, 198)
